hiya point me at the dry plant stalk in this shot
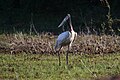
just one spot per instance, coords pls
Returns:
(110, 21)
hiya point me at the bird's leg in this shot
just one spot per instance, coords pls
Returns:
(67, 56)
(59, 56)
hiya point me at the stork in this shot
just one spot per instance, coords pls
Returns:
(65, 38)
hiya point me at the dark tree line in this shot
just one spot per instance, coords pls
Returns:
(15, 15)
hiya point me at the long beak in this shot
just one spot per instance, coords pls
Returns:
(64, 20)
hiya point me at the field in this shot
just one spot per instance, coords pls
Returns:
(45, 67)
(32, 57)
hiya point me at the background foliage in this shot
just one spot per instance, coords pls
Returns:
(15, 15)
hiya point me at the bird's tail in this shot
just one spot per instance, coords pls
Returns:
(57, 46)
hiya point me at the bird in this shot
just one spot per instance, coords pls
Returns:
(66, 38)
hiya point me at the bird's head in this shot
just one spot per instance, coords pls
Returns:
(64, 20)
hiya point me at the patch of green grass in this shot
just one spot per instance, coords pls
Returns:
(45, 67)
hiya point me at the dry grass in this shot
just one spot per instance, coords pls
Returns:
(44, 43)
(98, 44)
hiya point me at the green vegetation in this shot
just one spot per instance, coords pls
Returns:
(45, 67)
